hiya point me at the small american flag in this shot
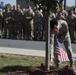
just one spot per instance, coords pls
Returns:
(60, 51)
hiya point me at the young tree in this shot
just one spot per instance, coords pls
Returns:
(47, 6)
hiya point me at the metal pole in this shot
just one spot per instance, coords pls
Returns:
(65, 4)
(75, 3)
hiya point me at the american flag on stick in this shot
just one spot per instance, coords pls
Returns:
(60, 51)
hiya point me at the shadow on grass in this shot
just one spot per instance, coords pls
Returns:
(13, 68)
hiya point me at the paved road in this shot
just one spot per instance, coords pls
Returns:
(24, 47)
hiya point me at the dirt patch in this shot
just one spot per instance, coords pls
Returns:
(41, 71)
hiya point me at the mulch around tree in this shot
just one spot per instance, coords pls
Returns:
(33, 70)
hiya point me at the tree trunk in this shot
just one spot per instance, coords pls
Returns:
(47, 58)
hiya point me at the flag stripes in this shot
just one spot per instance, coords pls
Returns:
(60, 51)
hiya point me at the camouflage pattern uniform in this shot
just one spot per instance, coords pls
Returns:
(14, 26)
(29, 23)
(24, 25)
(64, 12)
(52, 15)
(7, 18)
(63, 37)
(17, 21)
(38, 25)
(60, 16)
(74, 12)
(71, 19)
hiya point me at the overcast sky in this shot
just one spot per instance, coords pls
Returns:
(13, 2)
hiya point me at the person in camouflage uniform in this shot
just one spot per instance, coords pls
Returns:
(7, 18)
(52, 15)
(17, 21)
(14, 26)
(29, 23)
(60, 16)
(71, 20)
(60, 31)
(64, 12)
(38, 25)
(74, 12)
(24, 24)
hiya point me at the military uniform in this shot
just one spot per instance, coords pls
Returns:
(71, 19)
(38, 25)
(63, 37)
(14, 26)
(29, 23)
(7, 18)
(24, 26)
(64, 12)
(74, 12)
(60, 16)
(17, 22)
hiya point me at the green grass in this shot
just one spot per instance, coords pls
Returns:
(11, 62)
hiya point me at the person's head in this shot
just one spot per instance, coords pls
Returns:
(29, 8)
(74, 10)
(14, 7)
(54, 25)
(6, 8)
(70, 12)
(18, 7)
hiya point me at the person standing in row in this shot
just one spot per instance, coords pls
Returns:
(71, 20)
(29, 17)
(38, 18)
(17, 21)
(8, 19)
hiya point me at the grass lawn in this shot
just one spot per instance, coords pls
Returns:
(11, 62)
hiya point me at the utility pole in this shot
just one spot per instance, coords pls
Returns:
(65, 4)
(75, 3)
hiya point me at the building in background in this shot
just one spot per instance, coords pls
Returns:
(75, 3)
(1, 3)
(24, 4)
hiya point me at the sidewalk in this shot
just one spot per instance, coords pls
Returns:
(22, 51)
(23, 47)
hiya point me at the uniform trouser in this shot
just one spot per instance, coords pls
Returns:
(29, 30)
(14, 31)
(0, 29)
(67, 44)
(37, 30)
(71, 30)
(10, 30)
(24, 30)
(19, 30)
(5, 29)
